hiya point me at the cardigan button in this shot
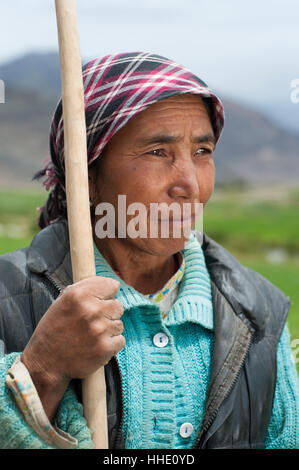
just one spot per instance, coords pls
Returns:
(160, 340)
(186, 430)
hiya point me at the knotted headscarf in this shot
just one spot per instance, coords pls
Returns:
(116, 88)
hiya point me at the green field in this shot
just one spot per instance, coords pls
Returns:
(259, 227)
(262, 232)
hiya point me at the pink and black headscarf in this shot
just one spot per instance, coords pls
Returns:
(116, 88)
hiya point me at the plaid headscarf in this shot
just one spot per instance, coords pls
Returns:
(116, 88)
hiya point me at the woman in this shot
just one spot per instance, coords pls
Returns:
(189, 338)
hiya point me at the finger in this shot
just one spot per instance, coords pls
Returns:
(107, 328)
(117, 343)
(111, 309)
(100, 287)
(116, 328)
(105, 287)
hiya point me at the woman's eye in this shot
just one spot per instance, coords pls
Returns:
(157, 152)
(203, 151)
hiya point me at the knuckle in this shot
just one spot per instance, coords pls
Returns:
(113, 283)
(108, 282)
(66, 295)
(103, 346)
(112, 286)
(97, 329)
(119, 325)
(74, 295)
(118, 306)
(121, 342)
(107, 348)
(93, 309)
(112, 309)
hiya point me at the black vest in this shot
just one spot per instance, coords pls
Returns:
(249, 315)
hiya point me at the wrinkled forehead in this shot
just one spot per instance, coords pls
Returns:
(118, 87)
(181, 104)
(167, 121)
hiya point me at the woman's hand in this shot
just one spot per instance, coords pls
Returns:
(79, 333)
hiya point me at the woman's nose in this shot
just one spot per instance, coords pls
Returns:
(185, 182)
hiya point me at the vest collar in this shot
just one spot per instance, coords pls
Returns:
(242, 288)
(49, 252)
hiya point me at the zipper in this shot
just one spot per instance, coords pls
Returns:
(215, 412)
(52, 283)
(118, 437)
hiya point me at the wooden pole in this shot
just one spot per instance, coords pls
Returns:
(77, 194)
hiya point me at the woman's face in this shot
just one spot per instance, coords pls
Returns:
(163, 155)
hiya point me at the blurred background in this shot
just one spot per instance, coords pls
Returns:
(246, 51)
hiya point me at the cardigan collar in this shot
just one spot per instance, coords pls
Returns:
(249, 294)
(194, 300)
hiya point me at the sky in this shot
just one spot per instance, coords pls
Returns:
(246, 51)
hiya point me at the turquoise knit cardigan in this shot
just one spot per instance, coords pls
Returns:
(162, 387)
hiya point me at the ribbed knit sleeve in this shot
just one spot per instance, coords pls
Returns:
(15, 433)
(283, 430)
(70, 419)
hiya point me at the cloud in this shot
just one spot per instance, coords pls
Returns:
(247, 50)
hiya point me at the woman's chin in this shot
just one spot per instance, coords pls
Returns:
(164, 246)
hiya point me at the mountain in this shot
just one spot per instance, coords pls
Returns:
(33, 72)
(252, 149)
(24, 135)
